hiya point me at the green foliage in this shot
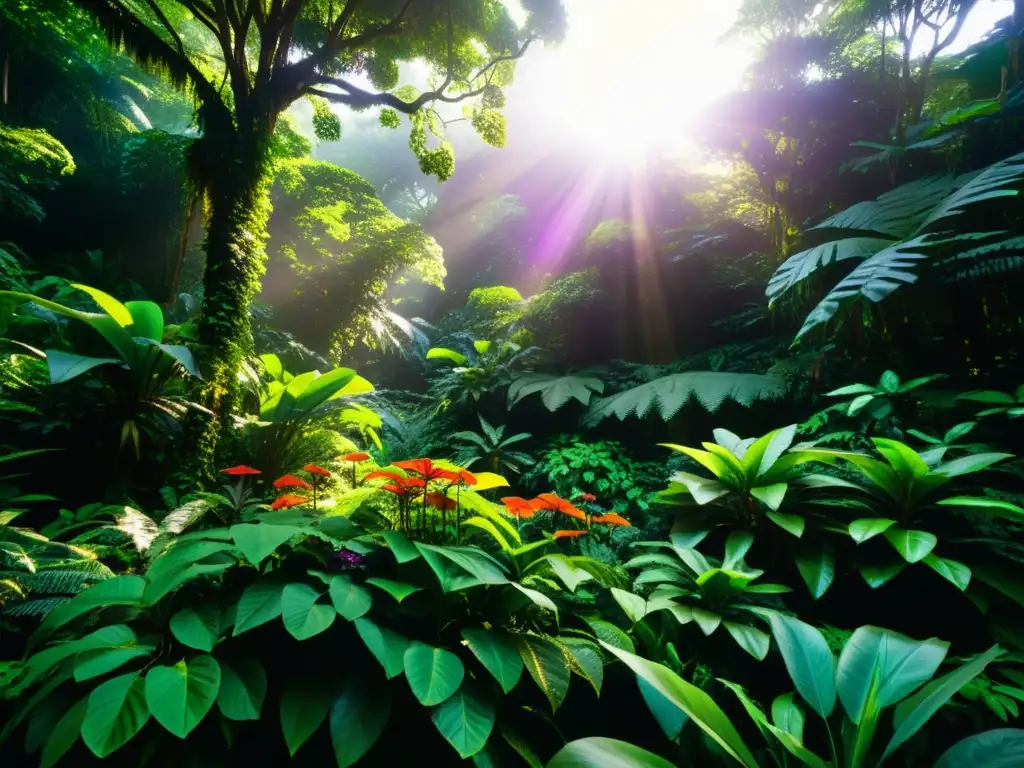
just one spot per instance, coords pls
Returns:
(30, 160)
(326, 125)
(671, 393)
(491, 448)
(555, 391)
(483, 367)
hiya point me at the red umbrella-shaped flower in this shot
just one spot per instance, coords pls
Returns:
(556, 504)
(518, 507)
(288, 500)
(291, 481)
(240, 471)
(313, 469)
(425, 468)
(440, 501)
(353, 459)
(463, 476)
(612, 519)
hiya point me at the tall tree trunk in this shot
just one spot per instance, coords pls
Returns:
(237, 181)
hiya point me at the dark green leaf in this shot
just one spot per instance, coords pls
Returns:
(599, 752)
(497, 653)
(358, 717)
(434, 674)
(465, 719)
(115, 713)
(180, 696)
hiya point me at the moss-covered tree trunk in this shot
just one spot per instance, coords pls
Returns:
(236, 177)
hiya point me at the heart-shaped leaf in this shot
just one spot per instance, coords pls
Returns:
(180, 696)
(434, 674)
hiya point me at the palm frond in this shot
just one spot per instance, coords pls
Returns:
(555, 391)
(802, 265)
(987, 185)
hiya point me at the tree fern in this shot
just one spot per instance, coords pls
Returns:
(670, 393)
(555, 391)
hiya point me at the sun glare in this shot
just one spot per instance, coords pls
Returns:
(627, 82)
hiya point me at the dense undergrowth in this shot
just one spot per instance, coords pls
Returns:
(377, 540)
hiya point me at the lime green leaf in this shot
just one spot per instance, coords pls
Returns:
(387, 646)
(772, 496)
(788, 715)
(913, 546)
(115, 713)
(809, 661)
(996, 507)
(118, 311)
(957, 574)
(147, 320)
(465, 720)
(243, 687)
(497, 653)
(301, 615)
(180, 696)
(197, 627)
(869, 527)
(441, 353)
(260, 603)
(698, 706)
(358, 717)
(434, 674)
(485, 481)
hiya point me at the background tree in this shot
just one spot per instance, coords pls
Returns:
(246, 62)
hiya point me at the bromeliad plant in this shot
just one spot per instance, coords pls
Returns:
(710, 594)
(906, 495)
(491, 447)
(262, 622)
(878, 671)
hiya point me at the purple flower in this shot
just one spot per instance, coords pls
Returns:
(344, 560)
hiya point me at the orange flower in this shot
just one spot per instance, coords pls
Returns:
(463, 476)
(518, 507)
(612, 519)
(440, 501)
(568, 534)
(241, 469)
(556, 504)
(291, 481)
(288, 500)
(313, 469)
(355, 457)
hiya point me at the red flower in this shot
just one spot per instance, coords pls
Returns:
(463, 476)
(556, 504)
(288, 500)
(518, 507)
(355, 457)
(241, 469)
(568, 534)
(291, 481)
(612, 519)
(440, 501)
(313, 469)
(588, 497)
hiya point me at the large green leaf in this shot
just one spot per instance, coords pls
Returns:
(180, 696)
(600, 752)
(120, 590)
(116, 712)
(243, 687)
(357, 718)
(257, 541)
(350, 600)
(670, 717)
(751, 639)
(64, 734)
(302, 616)
(792, 743)
(401, 547)
(304, 706)
(817, 565)
(547, 665)
(809, 661)
(999, 748)
(102, 661)
(147, 320)
(913, 546)
(497, 653)
(914, 712)
(197, 626)
(387, 646)
(555, 390)
(259, 603)
(869, 527)
(698, 706)
(465, 719)
(801, 265)
(878, 668)
(64, 366)
(788, 715)
(112, 636)
(434, 674)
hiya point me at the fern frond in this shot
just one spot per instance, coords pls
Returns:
(184, 517)
(604, 574)
(801, 265)
(34, 608)
(139, 527)
(899, 212)
(60, 581)
(555, 391)
(987, 185)
(670, 393)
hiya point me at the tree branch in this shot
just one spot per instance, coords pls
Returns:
(167, 25)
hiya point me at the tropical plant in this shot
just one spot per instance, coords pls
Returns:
(491, 447)
(710, 594)
(1001, 402)
(877, 669)
(555, 391)
(905, 492)
(134, 332)
(876, 402)
(214, 622)
(482, 368)
(892, 235)
(670, 393)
